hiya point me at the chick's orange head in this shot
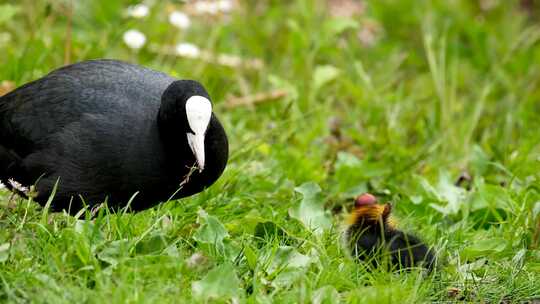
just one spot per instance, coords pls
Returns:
(366, 209)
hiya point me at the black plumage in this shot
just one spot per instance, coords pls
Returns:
(372, 237)
(105, 130)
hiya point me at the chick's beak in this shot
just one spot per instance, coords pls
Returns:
(196, 143)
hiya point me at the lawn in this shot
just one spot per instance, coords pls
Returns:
(433, 106)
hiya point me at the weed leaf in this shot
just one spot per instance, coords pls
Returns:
(311, 209)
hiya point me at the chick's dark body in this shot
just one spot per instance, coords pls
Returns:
(403, 250)
(371, 235)
(93, 126)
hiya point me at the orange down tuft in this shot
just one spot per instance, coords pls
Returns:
(372, 213)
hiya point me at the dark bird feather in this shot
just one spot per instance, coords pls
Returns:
(372, 236)
(105, 129)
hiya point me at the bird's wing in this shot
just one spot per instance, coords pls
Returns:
(31, 113)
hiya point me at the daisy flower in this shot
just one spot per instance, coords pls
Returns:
(138, 11)
(188, 50)
(179, 20)
(134, 39)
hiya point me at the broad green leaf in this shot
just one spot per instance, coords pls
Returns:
(356, 190)
(83, 227)
(337, 26)
(469, 271)
(172, 251)
(4, 252)
(446, 192)
(287, 265)
(48, 282)
(221, 283)
(484, 247)
(325, 295)
(425, 186)
(287, 257)
(453, 196)
(115, 251)
(479, 160)
(155, 243)
(89, 230)
(8, 11)
(347, 160)
(287, 277)
(311, 209)
(246, 223)
(361, 169)
(489, 197)
(251, 257)
(351, 174)
(323, 75)
(416, 199)
(211, 230)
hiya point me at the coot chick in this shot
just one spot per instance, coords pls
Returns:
(105, 130)
(372, 236)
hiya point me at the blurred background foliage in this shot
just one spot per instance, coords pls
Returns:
(432, 105)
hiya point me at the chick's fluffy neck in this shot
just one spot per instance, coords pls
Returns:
(372, 216)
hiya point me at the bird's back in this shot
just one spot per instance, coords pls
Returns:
(31, 113)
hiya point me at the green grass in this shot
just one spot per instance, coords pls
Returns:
(445, 87)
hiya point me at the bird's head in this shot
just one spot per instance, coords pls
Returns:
(367, 212)
(187, 109)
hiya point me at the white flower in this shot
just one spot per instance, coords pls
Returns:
(187, 50)
(229, 60)
(2, 186)
(134, 39)
(179, 19)
(213, 7)
(207, 7)
(138, 11)
(225, 5)
(17, 186)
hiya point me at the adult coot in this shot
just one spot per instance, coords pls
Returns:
(105, 130)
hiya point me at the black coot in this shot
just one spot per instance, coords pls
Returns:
(106, 129)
